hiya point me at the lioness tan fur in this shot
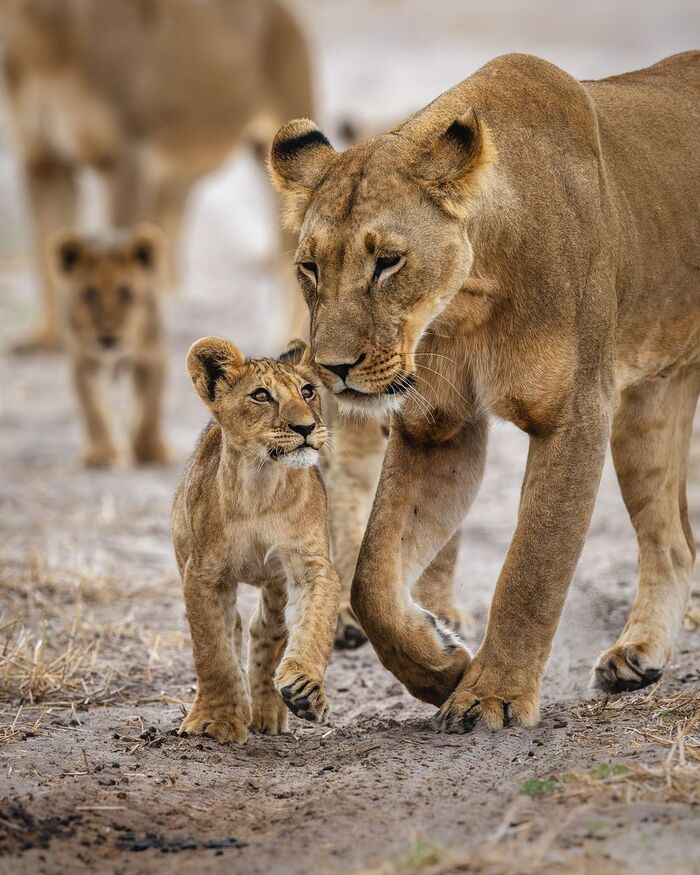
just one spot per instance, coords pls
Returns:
(153, 94)
(109, 289)
(528, 246)
(252, 507)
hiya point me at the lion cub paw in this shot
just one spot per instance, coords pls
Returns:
(627, 667)
(348, 632)
(100, 457)
(302, 694)
(223, 724)
(465, 708)
(269, 715)
(152, 452)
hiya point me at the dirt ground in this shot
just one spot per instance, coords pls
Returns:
(94, 652)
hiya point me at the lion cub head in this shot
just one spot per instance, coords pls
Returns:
(269, 410)
(109, 283)
(383, 243)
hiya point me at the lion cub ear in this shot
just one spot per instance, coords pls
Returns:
(209, 360)
(146, 247)
(297, 352)
(451, 164)
(299, 158)
(68, 251)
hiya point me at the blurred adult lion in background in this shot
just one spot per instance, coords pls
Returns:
(153, 94)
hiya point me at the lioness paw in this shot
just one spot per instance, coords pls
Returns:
(465, 708)
(303, 695)
(269, 715)
(627, 667)
(225, 725)
(152, 452)
(348, 632)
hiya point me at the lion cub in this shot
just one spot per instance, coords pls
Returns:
(252, 507)
(112, 323)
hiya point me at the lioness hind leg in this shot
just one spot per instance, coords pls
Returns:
(267, 640)
(650, 445)
(434, 590)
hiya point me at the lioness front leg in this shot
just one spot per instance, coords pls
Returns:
(87, 376)
(267, 640)
(222, 705)
(502, 685)
(414, 516)
(314, 598)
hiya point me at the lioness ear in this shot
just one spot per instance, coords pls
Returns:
(297, 352)
(451, 164)
(67, 252)
(299, 157)
(209, 360)
(146, 247)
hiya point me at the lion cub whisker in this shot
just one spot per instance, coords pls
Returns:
(251, 507)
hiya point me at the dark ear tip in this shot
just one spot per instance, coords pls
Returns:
(144, 253)
(69, 255)
(294, 352)
(296, 136)
(464, 131)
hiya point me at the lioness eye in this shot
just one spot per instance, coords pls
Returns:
(309, 269)
(307, 391)
(387, 264)
(90, 294)
(261, 395)
(125, 294)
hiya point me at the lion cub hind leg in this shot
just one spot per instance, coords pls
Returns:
(222, 706)
(268, 638)
(314, 598)
(650, 445)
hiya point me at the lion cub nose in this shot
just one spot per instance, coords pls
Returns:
(303, 430)
(108, 341)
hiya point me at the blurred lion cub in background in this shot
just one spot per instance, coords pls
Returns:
(252, 507)
(109, 285)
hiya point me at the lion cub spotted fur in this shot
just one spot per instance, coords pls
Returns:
(109, 289)
(252, 507)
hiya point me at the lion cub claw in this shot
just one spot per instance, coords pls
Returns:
(626, 667)
(223, 724)
(269, 716)
(304, 696)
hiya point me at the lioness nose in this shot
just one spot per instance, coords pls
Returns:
(341, 369)
(303, 430)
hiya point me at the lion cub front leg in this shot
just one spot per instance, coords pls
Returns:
(149, 446)
(267, 640)
(314, 600)
(222, 706)
(87, 376)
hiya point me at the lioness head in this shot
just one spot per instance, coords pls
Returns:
(269, 409)
(109, 284)
(383, 244)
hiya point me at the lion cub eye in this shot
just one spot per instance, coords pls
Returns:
(385, 265)
(125, 294)
(310, 270)
(261, 395)
(308, 391)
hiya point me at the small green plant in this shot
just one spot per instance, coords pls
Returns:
(421, 854)
(605, 770)
(538, 786)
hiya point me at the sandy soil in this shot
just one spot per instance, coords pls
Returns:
(94, 651)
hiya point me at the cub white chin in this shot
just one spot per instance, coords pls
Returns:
(304, 457)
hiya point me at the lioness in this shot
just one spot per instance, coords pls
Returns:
(109, 286)
(152, 94)
(529, 246)
(252, 507)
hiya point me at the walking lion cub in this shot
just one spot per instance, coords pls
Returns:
(252, 507)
